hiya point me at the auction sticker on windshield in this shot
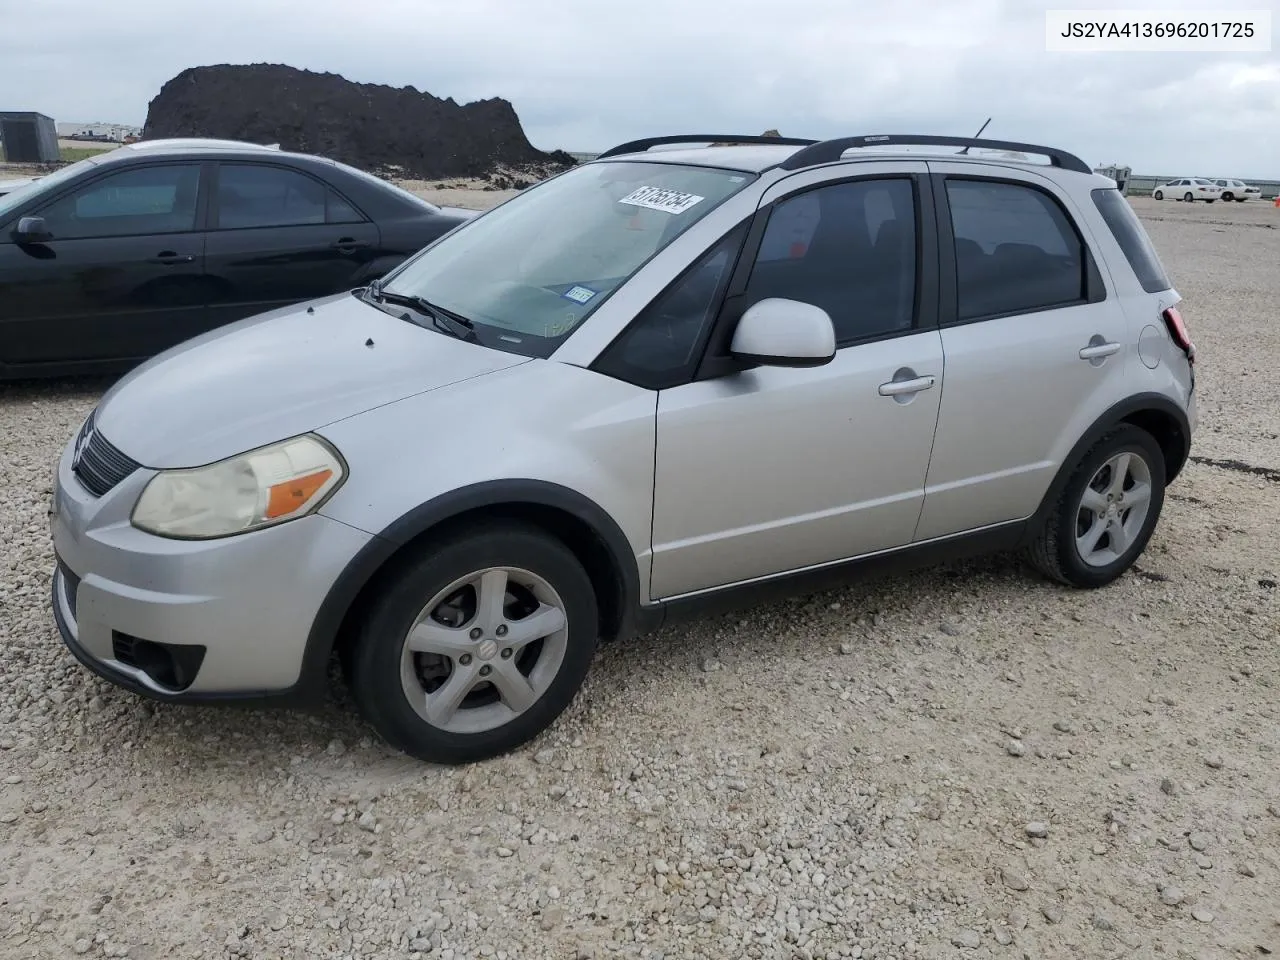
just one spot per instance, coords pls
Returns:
(657, 198)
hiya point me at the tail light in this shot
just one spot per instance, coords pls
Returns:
(1178, 330)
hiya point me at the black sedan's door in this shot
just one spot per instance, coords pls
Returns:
(278, 236)
(119, 279)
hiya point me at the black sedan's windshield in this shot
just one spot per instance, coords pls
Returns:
(528, 273)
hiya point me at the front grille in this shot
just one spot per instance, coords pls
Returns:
(70, 585)
(99, 465)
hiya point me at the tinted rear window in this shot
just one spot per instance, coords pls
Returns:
(1129, 233)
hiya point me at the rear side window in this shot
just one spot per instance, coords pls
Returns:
(252, 195)
(1129, 233)
(1016, 250)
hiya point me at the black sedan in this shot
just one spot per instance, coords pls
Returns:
(109, 261)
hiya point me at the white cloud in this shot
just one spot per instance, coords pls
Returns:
(584, 74)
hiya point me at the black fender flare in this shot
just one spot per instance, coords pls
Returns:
(517, 493)
(1125, 410)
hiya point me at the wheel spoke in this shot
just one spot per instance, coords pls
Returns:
(1119, 473)
(1120, 538)
(491, 597)
(1094, 501)
(432, 637)
(513, 686)
(444, 703)
(1087, 542)
(1137, 495)
(543, 622)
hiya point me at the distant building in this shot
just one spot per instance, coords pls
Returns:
(102, 132)
(28, 138)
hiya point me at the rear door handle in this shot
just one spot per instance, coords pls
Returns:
(899, 388)
(1096, 351)
(348, 243)
(168, 257)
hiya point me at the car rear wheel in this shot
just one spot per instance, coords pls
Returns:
(476, 645)
(1106, 513)
(1159, 195)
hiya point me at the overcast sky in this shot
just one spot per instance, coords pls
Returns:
(586, 74)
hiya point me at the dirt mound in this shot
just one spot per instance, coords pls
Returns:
(397, 131)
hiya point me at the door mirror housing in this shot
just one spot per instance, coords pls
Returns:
(784, 333)
(31, 230)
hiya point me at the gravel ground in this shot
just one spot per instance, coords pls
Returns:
(967, 762)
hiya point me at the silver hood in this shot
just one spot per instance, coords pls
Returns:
(278, 375)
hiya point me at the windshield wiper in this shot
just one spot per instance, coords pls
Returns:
(446, 321)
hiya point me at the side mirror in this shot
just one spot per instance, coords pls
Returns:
(32, 230)
(784, 333)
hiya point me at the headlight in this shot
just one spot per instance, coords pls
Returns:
(260, 488)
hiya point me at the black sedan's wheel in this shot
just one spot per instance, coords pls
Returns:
(477, 645)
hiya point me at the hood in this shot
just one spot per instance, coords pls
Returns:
(278, 375)
(8, 186)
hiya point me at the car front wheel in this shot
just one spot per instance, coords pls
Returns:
(1228, 196)
(1159, 194)
(1189, 198)
(475, 645)
(1106, 513)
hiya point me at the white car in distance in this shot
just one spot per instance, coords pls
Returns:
(1237, 190)
(1189, 189)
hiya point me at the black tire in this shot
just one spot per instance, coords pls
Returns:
(1053, 549)
(375, 663)
(1228, 196)
(1241, 199)
(1208, 201)
(1189, 198)
(1159, 195)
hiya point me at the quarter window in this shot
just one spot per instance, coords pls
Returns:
(136, 202)
(661, 346)
(1016, 250)
(849, 248)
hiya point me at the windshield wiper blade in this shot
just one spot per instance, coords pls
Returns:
(446, 320)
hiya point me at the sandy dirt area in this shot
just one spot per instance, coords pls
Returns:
(965, 762)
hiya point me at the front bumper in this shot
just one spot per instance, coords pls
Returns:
(233, 614)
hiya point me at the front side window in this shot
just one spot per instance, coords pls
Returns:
(143, 200)
(849, 248)
(530, 271)
(1016, 250)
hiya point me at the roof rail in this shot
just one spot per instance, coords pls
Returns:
(828, 151)
(640, 146)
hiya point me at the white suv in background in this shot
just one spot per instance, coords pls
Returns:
(1237, 190)
(1189, 189)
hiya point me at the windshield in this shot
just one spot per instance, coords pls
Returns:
(10, 201)
(529, 272)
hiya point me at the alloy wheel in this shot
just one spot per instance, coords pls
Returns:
(484, 650)
(1113, 509)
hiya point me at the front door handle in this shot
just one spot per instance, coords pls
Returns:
(1096, 351)
(168, 257)
(900, 388)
